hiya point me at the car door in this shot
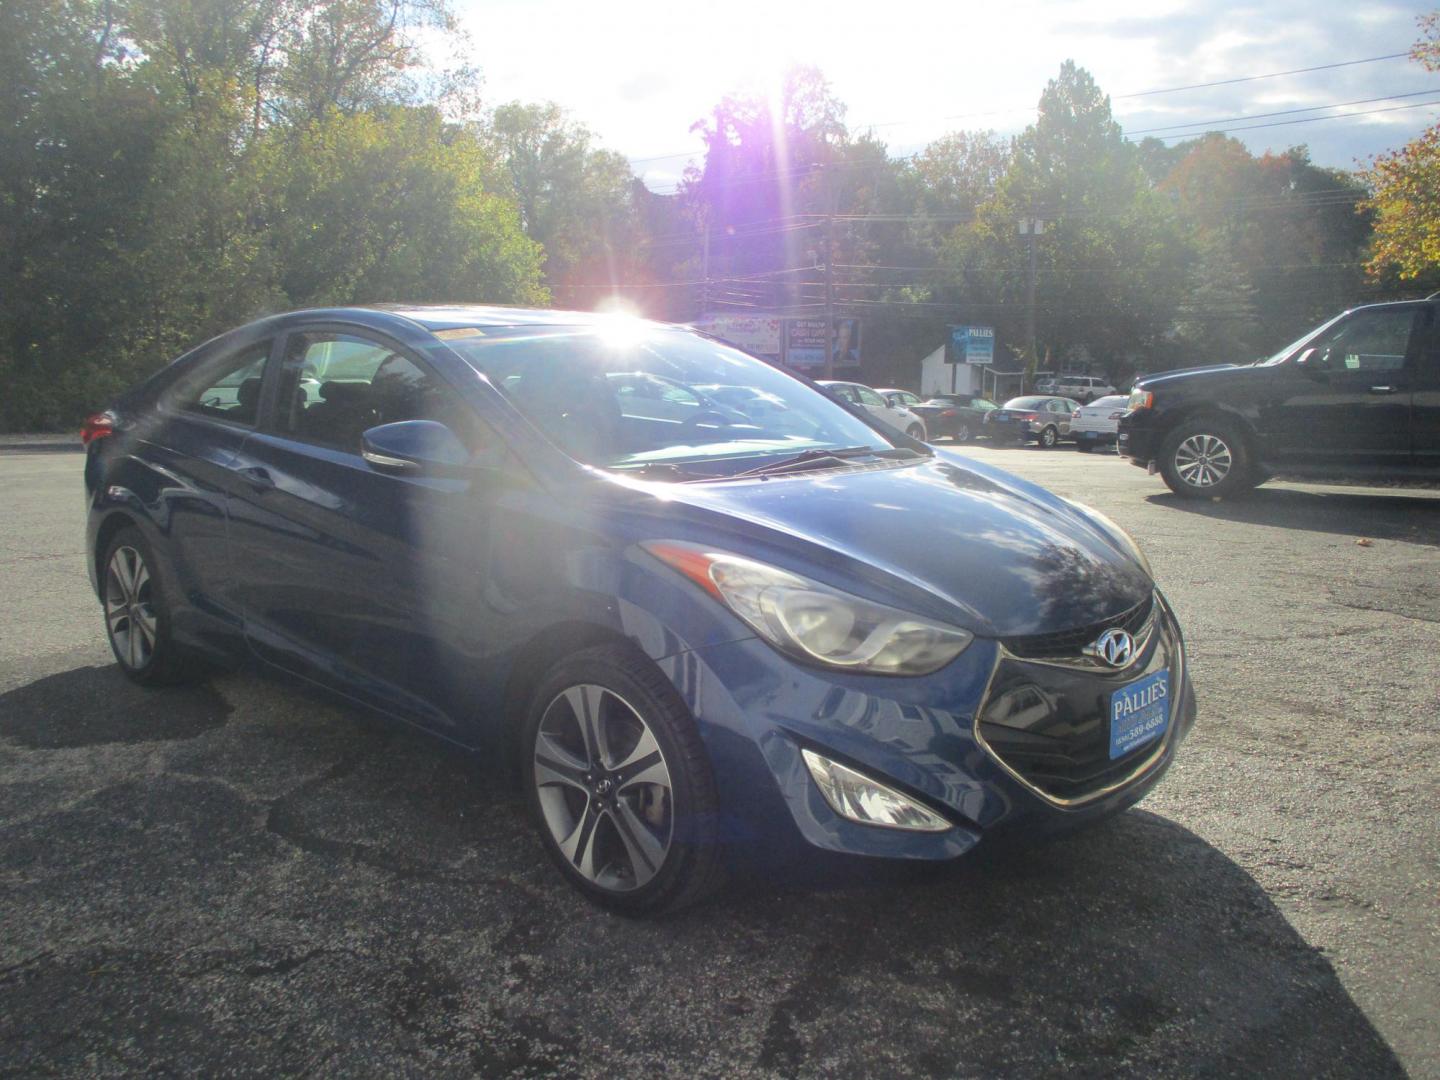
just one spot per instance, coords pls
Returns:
(1346, 399)
(877, 407)
(363, 580)
(205, 418)
(1425, 394)
(1061, 409)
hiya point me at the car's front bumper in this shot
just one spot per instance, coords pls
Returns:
(1138, 437)
(758, 709)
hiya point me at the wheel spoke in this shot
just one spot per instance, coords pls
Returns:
(124, 574)
(585, 704)
(142, 577)
(555, 765)
(645, 850)
(146, 618)
(579, 846)
(648, 770)
(134, 640)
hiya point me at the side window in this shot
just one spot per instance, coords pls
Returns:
(844, 392)
(229, 392)
(1367, 341)
(338, 386)
(869, 397)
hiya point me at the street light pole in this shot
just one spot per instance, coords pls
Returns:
(1030, 227)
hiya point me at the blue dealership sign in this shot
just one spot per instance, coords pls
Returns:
(972, 345)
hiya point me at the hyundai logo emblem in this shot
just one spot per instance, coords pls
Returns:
(1114, 647)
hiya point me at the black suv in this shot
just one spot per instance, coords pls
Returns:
(1357, 397)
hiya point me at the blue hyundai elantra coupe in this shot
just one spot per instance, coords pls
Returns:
(703, 609)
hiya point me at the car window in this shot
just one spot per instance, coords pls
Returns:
(231, 392)
(983, 404)
(338, 386)
(562, 379)
(869, 397)
(1367, 341)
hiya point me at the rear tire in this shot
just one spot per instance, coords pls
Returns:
(135, 599)
(963, 434)
(620, 785)
(915, 431)
(1049, 436)
(1206, 459)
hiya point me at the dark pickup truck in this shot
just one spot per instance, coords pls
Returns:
(1359, 398)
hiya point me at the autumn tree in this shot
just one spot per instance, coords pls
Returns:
(1406, 186)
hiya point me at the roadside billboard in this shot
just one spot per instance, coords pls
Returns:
(972, 345)
(761, 335)
(806, 340)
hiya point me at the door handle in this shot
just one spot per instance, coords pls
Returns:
(1383, 389)
(258, 477)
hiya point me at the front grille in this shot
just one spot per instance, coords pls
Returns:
(1070, 644)
(1049, 724)
(1066, 768)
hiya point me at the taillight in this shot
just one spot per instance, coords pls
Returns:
(1075, 415)
(949, 412)
(97, 426)
(1116, 415)
(1027, 416)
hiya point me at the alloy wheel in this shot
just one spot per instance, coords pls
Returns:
(130, 608)
(604, 788)
(1048, 437)
(1203, 460)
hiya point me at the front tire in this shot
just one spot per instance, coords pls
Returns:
(620, 785)
(1206, 459)
(138, 613)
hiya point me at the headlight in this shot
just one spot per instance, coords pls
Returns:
(1141, 399)
(855, 796)
(1126, 540)
(815, 622)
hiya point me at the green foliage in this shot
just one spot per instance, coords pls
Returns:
(170, 168)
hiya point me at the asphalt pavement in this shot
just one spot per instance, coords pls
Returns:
(241, 878)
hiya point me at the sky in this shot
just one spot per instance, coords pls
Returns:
(640, 73)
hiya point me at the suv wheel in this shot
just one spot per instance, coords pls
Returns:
(1206, 459)
(620, 785)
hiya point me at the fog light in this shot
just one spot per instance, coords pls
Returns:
(855, 796)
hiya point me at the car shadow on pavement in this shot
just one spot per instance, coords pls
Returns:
(270, 885)
(1409, 518)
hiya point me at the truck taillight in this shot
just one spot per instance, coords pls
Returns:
(97, 426)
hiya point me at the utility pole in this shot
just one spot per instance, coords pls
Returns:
(705, 262)
(1030, 227)
(829, 273)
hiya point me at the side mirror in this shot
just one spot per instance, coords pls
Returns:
(1308, 363)
(420, 447)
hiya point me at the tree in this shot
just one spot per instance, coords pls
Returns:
(1406, 187)
(577, 201)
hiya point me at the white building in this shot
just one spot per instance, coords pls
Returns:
(938, 377)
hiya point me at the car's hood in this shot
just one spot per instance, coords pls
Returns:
(946, 536)
(1151, 381)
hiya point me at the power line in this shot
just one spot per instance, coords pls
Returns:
(1253, 78)
(1306, 120)
(1285, 112)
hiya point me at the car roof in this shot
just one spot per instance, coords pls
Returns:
(453, 316)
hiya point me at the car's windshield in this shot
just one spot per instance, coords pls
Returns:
(639, 396)
(1026, 402)
(1299, 342)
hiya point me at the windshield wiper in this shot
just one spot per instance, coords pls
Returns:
(808, 458)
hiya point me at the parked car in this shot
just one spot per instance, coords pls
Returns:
(899, 399)
(1082, 388)
(1359, 396)
(1095, 424)
(668, 629)
(1039, 419)
(954, 416)
(858, 394)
